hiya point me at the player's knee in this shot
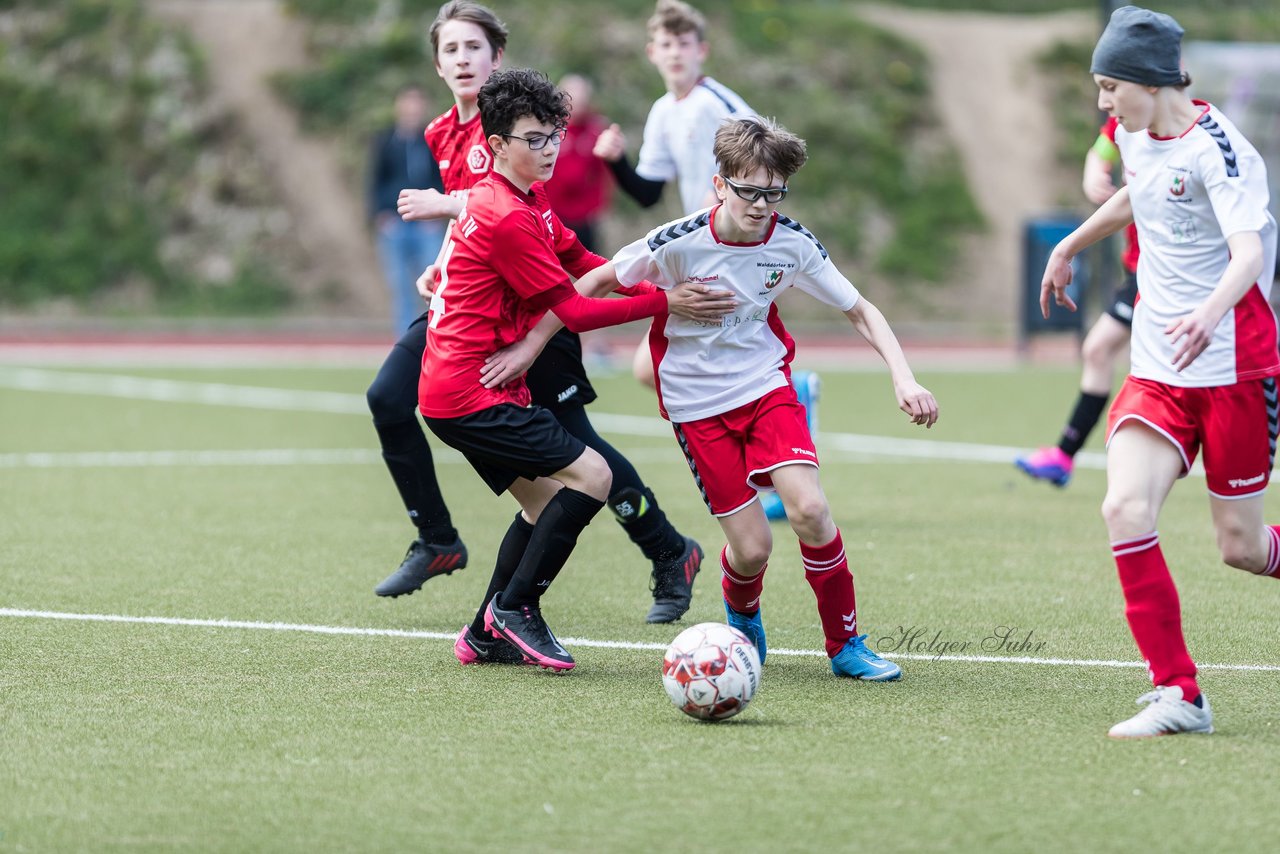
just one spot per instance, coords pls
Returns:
(643, 375)
(388, 403)
(1241, 552)
(1235, 555)
(642, 367)
(1098, 354)
(590, 474)
(750, 556)
(1128, 516)
(809, 515)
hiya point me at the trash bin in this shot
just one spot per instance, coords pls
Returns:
(1039, 238)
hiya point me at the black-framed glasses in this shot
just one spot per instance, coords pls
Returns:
(538, 141)
(748, 193)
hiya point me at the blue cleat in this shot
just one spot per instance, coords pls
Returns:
(773, 509)
(752, 627)
(1050, 464)
(857, 661)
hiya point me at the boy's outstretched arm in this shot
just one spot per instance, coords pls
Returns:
(1114, 215)
(693, 300)
(913, 398)
(512, 361)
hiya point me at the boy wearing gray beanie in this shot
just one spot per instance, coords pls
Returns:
(1140, 46)
(1203, 350)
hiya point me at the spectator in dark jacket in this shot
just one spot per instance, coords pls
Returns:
(400, 159)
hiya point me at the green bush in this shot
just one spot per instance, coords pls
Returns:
(859, 96)
(96, 158)
(76, 216)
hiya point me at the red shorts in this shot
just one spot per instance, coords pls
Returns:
(732, 455)
(1235, 424)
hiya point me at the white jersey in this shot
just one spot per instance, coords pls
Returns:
(679, 136)
(1189, 194)
(705, 369)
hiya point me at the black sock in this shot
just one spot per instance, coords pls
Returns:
(408, 458)
(514, 544)
(1083, 419)
(633, 504)
(645, 523)
(550, 545)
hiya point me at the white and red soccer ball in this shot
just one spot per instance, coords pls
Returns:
(711, 671)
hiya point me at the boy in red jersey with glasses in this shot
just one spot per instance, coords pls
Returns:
(508, 261)
(468, 41)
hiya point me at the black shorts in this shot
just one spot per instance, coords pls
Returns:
(507, 441)
(557, 380)
(1122, 300)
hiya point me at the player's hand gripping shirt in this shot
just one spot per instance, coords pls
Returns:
(680, 135)
(704, 369)
(1189, 194)
(507, 252)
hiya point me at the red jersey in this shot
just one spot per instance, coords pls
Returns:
(507, 252)
(460, 150)
(1130, 257)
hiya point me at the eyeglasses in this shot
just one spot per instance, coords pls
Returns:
(748, 193)
(539, 141)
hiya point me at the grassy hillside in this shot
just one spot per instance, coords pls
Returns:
(883, 187)
(123, 191)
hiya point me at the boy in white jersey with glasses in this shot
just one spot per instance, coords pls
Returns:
(725, 385)
(679, 135)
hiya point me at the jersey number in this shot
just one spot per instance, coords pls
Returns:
(437, 298)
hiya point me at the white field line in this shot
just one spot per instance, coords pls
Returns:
(294, 400)
(256, 458)
(181, 391)
(149, 459)
(23, 613)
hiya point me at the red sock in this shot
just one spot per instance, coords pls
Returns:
(741, 592)
(1154, 614)
(1273, 552)
(827, 571)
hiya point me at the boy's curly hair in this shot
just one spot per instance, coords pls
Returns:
(511, 94)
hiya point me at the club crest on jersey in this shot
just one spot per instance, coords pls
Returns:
(546, 217)
(479, 160)
(772, 280)
(1178, 187)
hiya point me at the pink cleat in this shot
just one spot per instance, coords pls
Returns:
(1050, 464)
(472, 649)
(525, 630)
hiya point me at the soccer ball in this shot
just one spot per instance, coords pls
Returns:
(711, 671)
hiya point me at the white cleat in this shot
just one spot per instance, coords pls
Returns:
(1167, 714)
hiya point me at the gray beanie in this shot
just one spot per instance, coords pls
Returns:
(1140, 46)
